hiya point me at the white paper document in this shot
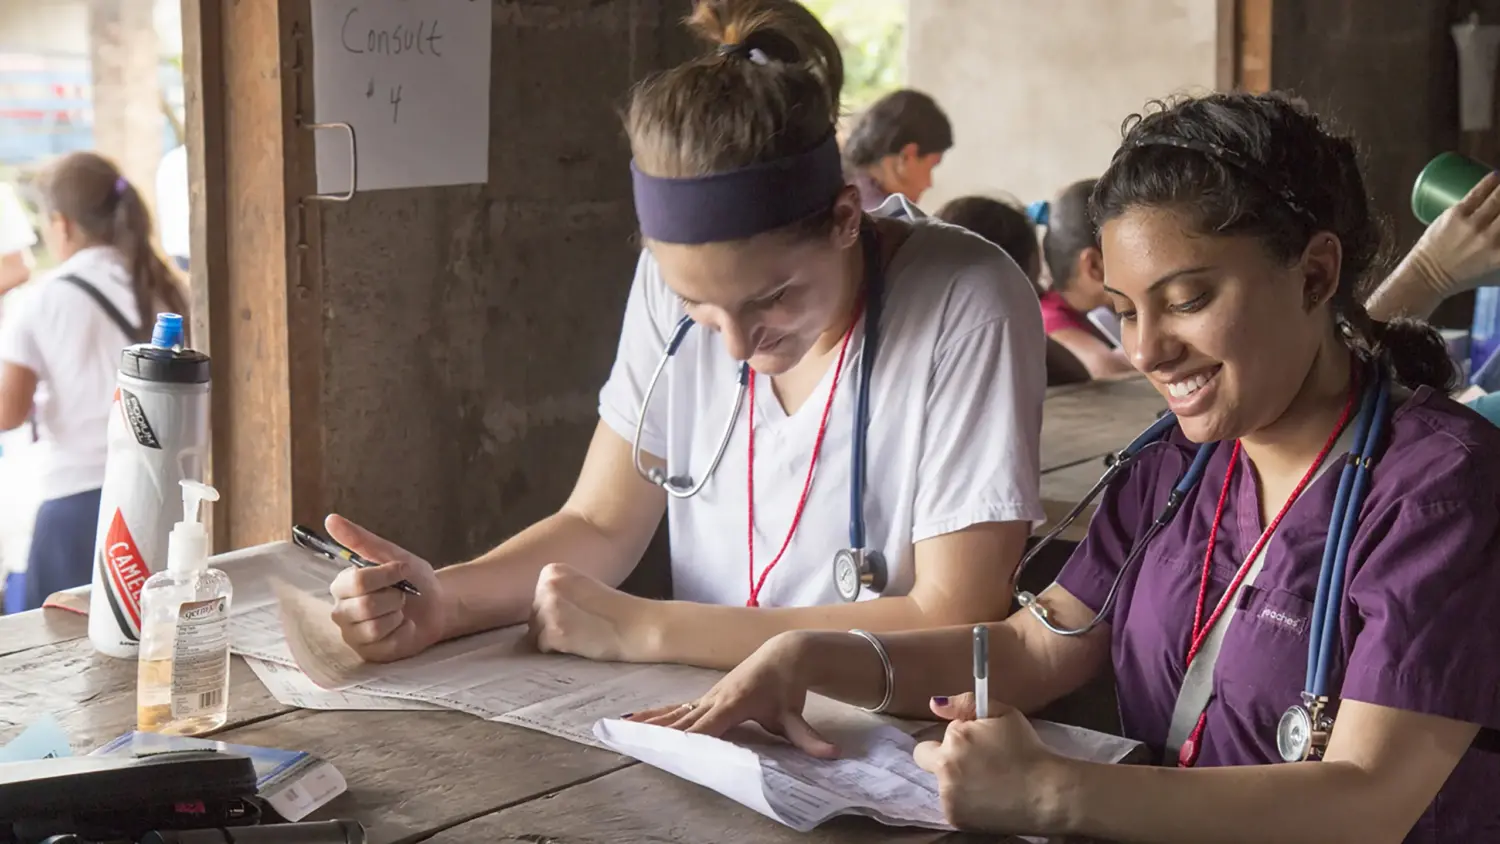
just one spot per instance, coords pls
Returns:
(287, 633)
(875, 776)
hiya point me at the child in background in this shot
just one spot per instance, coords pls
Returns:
(1077, 269)
(60, 344)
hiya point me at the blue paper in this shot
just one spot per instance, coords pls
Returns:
(44, 739)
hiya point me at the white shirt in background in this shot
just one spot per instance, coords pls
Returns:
(16, 232)
(56, 330)
(954, 437)
(172, 203)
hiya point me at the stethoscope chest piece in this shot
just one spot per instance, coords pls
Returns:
(855, 569)
(1302, 733)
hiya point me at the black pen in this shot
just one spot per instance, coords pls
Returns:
(338, 553)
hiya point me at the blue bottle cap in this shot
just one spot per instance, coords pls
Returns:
(168, 332)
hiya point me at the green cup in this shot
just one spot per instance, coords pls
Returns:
(1443, 182)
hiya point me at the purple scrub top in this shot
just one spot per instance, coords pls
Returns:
(1420, 627)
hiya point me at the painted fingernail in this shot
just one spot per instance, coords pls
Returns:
(940, 701)
(626, 715)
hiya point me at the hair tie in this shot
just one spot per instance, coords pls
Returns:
(754, 55)
(121, 186)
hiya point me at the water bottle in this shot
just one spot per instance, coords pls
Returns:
(158, 437)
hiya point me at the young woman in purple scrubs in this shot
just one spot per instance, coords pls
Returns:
(1236, 232)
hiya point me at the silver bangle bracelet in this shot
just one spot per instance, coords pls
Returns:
(885, 663)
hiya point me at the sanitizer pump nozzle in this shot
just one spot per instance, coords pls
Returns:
(187, 548)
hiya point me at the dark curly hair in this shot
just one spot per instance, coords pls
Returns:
(1265, 166)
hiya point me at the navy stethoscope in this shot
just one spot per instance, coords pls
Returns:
(856, 566)
(1304, 728)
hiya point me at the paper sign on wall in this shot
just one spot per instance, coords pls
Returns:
(413, 79)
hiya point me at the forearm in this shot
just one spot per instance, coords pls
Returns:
(1311, 801)
(925, 663)
(715, 636)
(1409, 291)
(496, 589)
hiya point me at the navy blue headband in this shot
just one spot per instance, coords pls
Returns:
(739, 203)
(1227, 156)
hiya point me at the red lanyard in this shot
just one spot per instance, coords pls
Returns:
(1188, 754)
(838, 368)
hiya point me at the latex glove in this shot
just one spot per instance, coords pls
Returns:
(767, 689)
(576, 614)
(994, 774)
(380, 623)
(1461, 249)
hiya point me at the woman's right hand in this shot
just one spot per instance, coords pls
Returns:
(382, 623)
(767, 688)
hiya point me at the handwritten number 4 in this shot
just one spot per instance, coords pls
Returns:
(395, 103)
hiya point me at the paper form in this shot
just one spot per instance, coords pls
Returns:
(875, 776)
(291, 687)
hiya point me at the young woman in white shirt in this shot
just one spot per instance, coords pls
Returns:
(60, 344)
(752, 234)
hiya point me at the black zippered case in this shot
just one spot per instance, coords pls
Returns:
(98, 797)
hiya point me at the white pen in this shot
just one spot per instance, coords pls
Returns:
(981, 671)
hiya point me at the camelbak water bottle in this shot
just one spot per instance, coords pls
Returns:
(158, 436)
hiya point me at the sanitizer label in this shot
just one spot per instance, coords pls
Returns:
(200, 658)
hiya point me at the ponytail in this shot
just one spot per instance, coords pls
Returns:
(157, 286)
(1414, 350)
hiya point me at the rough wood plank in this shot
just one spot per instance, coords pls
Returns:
(412, 773)
(1071, 484)
(644, 804)
(1094, 420)
(27, 630)
(93, 696)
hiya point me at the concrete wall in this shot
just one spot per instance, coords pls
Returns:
(467, 330)
(1036, 91)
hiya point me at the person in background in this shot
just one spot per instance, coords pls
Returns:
(172, 206)
(1009, 228)
(1077, 270)
(1459, 252)
(60, 348)
(16, 239)
(895, 146)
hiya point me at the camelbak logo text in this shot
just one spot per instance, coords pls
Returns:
(125, 573)
(135, 417)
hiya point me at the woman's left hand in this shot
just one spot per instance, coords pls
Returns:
(994, 774)
(576, 614)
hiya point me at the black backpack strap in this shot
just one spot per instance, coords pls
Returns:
(133, 332)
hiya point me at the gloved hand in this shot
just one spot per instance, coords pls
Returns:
(1461, 249)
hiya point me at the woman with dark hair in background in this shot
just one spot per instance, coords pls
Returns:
(60, 345)
(895, 146)
(1008, 227)
(1235, 233)
(1077, 270)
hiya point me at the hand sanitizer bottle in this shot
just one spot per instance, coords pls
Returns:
(182, 686)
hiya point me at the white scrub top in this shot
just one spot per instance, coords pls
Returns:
(954, 437)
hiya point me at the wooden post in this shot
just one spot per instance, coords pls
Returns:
(123, 60)
(238, 59)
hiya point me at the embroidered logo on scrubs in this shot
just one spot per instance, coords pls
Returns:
(1293, 623)
(126, 572)
(135, 417)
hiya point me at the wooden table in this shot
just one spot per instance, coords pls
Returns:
(449, 777)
